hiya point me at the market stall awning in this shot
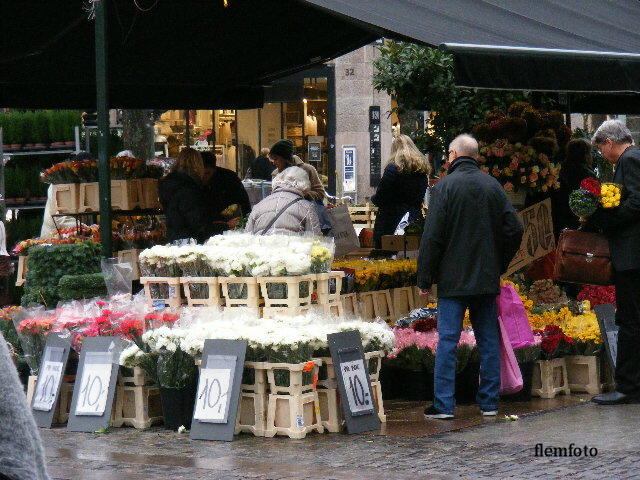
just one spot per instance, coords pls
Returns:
(542, 69)
(201, 54)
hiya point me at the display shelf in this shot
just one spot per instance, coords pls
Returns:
(38, 152)
(115, 213)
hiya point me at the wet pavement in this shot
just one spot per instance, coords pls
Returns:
(409, 448)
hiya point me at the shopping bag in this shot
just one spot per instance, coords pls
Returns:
(510, 374)
(342, 230)
(514, 317)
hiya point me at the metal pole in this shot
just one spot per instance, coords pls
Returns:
(103, 127)
(3, 206)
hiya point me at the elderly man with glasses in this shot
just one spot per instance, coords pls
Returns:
(622, 227)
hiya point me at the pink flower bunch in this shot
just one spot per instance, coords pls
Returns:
(408, 337)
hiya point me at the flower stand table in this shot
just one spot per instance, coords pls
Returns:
(288, 296)
(403, 300)
(241, 292)
(376, 304)
(162, 290)
(350, 304)
(550, 378)
(328, 287)
(137, 402)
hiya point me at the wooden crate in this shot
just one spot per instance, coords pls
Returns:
(136, 406)
(214, 292)
(403, 300)
(149, 193)
(350, 304)
(275, 312)
(251, 297)
(323, 284)
(125, 194)
(66, 198)
(584, 374)
(89, 197)
(294, 286)
(173, 298)
(331, 414)
(23, 268)
(138, 378)
(363, 216)
(131, 257)
(550, 378)
(294, 409)
(376, 304)
(376, 393)
(252, 413)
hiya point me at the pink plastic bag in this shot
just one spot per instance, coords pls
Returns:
(510, 374)
(514, 317)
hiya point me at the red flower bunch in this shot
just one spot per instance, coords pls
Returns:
(130, 328)
(592, 186)
(598, 295)
(425, 324)
(554, 342)
(36, 326)
(157, 319)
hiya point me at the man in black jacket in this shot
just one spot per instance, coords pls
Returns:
(622, 227)
(471, 235)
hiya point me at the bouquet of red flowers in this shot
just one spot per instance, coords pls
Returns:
(555, 343)
(598, 295)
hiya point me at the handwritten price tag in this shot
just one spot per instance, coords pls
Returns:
(354, 375)
(94, 389)
(213, 395)
(47, 388)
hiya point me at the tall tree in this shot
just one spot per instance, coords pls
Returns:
(421, 78)
(138, 133)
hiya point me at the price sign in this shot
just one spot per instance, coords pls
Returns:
(354, 384)
(94, 388)
(95, 385)
(355, 378)
(48, 383)
(218, 396)
(51, 375)
(212, 402)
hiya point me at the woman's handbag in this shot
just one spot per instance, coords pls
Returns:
(584, 258)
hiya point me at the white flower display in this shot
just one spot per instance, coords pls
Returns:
(239, 255)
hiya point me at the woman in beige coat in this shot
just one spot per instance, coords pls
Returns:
(286, 210)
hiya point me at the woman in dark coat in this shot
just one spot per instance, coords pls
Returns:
(184, 200)
(401, 189)
(575, 168)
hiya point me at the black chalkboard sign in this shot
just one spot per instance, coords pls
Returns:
(606, 315)
(354, 385)
(375, 151)
(218, 394)
(51, 375)
(95, 385)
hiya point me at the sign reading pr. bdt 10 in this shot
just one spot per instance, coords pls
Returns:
(538, 239)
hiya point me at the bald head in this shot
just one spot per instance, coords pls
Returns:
(464, 146)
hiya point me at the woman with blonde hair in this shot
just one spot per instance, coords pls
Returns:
(183, 199)
(402, 187)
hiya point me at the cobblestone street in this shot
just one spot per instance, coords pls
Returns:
(494, 449)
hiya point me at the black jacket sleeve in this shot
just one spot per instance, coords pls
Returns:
(434, 240)
(385, 193)
(512, 231)
(629, 210)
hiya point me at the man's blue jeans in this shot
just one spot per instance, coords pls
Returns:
(484, 319)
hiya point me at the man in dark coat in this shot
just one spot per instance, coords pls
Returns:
(471, 235)
(261, 168)
(622, 227)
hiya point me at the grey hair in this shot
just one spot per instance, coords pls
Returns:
(614, 130)
(292, 177)
(465, 145)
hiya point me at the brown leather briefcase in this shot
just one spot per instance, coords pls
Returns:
(584, 258)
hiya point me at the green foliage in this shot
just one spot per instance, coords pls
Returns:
(77, 287)
(48, 264)
(23, 181)
(41, 127)
(421, 78)
(603, 167)
(115, 142)
(528, 354)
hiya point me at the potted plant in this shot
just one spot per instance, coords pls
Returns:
(6, 132)
(72, 119)
(41, 129)
(13, 133)
(28, 133)
(55, 129)
(177, 376)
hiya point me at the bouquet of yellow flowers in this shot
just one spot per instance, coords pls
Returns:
(610, 195)
(380, 274)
